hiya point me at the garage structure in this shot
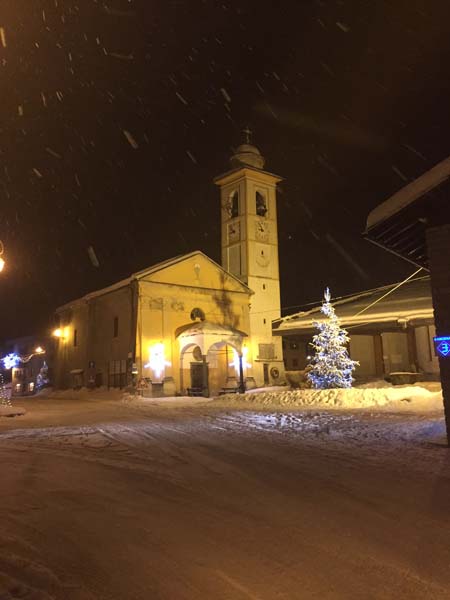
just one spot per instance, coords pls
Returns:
(415, 225)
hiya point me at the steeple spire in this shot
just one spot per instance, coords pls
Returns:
(247, 155)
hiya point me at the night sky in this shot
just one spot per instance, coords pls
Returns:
(116, 115)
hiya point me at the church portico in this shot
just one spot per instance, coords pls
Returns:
(210, 356)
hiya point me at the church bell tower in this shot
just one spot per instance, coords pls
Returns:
(250, 251)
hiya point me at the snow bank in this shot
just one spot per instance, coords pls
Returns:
(409, 398)
(11, 411)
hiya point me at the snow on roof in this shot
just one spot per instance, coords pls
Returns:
(411, 301)
(409, 193)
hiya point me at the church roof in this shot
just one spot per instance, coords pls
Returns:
(246, 156)
(149, 271)
(182, 257)
(202, 327)
(218, 180)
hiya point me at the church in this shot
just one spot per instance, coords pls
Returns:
(189, 325)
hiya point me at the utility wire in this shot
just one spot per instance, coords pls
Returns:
(389, 292)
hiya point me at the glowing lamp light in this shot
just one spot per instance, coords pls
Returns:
(2, 261)
(157, 362)
(235, 363)
(10, 361)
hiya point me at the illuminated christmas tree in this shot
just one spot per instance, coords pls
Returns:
(4, 394)
(331, 366)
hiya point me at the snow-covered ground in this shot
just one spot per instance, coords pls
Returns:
(106, 496)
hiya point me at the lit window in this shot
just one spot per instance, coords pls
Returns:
(31, 386)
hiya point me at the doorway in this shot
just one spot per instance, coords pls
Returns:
(197, 375)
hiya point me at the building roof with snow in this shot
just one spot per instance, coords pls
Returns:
(389, 308)
(399, 223)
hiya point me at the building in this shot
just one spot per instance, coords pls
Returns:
(391, 331)
(189, 325)
(415, 225)
(31, 360)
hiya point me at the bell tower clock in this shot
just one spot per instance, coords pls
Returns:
(250, 251)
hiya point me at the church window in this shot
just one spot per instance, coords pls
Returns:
(197, 313)
(75, 337)
(264, 286)
(264, 321)
(234, 204)
(116, 327)
(261, 204)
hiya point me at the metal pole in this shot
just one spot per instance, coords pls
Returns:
(205, 376)
(241, 376)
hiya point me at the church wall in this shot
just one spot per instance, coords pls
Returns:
(98, 340)
(163, 308)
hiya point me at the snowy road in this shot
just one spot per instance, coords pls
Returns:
(117, 500)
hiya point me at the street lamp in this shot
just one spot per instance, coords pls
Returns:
(2, 261)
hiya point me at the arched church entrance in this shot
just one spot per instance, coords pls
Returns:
(208, 353)
(193, 371)
(222, 360)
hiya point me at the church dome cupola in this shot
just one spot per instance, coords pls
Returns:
(247, 155)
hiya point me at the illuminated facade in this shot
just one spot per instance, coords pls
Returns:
(250, 252)
(189, 325)
(172, 328)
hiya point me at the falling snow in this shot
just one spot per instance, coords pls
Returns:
(131, 139)
(104, 101)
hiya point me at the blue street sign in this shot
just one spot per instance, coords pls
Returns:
(442, 345)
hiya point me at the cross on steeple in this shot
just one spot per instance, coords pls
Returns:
(248, 133)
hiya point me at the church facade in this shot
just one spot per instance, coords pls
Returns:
(189, 325)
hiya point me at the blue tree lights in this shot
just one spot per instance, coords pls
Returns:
(10, 361)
